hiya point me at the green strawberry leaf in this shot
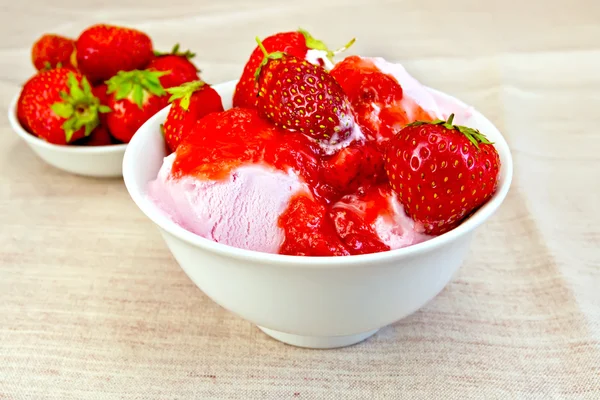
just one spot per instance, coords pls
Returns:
(104, 109)
(74, 89)
(138, 95)
(184, 92)
(79, 107)
(268, 56)
(63, 110)
(175, 51)
(133, 85)
(313, 43)
(317, 44)
(87, 89)
(473, 135)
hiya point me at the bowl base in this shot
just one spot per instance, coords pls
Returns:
(318, 342)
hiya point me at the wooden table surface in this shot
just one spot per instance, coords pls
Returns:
(93, 306)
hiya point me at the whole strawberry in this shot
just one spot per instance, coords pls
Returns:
(134, 97)
(58, 106)
(51, 51)
(441, 172)
(190, 102)
(302, 97)
(103, 50)
(178, 65)
(296, 44)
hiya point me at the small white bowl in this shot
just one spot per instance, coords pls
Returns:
(94, 161)
(316, 302)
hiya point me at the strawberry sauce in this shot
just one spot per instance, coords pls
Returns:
(378, 101)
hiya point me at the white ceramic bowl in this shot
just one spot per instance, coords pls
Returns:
(317, 302)
(94, 161)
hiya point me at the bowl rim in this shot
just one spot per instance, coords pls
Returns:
(66, 149)
(167, 225)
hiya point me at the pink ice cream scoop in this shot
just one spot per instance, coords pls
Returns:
(240, 211)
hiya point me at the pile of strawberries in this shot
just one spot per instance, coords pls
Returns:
(101, 87)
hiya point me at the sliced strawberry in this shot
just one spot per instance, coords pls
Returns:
(191, 102)
(308, 230)
(355, 215)
(378, 100)
(360, 164)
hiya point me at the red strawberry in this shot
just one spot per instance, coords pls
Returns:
(51, 51)
(363, 82)
(355, 215)
(377, 98)
(178, 65)
(293, 43)
(100, 92)
(59, 107)
(99, 137)
(21, 109)
(191, 102)
(135, 96)
(360, 164)
(308, 230)
(103, 50)
(302, 97)
(441, 172)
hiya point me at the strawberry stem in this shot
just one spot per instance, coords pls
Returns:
(268, 56)
(473, 135)
(136, 85)
(79, 108)
(262, 47)
(317, 44)
(184, 92)
(450, 119)
(345, 47)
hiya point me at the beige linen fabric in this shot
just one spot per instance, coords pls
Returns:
(93, 306)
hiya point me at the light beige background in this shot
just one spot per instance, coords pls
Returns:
(92, 305)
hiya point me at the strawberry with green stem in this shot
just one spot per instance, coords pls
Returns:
(295, 43)
(58, 106)
(134, 97)
(441, 172)
(178, 65)
(302, 97)
(190, 102)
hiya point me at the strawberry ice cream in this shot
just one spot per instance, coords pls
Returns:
(240, 180)
(241, 210)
